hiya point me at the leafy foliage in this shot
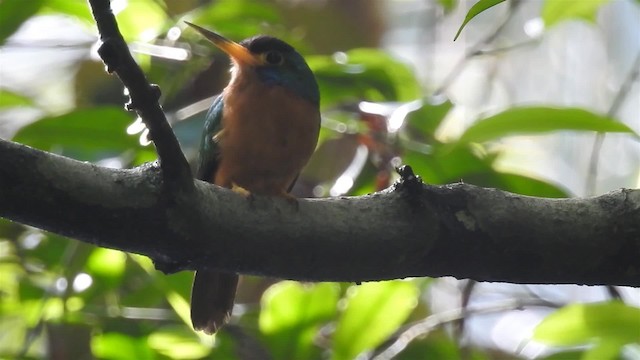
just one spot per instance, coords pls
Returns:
(363, 74)
(124, 309)
(608, 326)
(555, 11)
(87, 134)
(292, 314)
(10, 99)
(372, 312)
(13, 13)
(538, 120)
(475, 10)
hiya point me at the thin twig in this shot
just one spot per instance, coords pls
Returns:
(613, 292)
(143, 97)
(32, 334)
(476, 50)
(459, 325)
(423, 327)
(508, 48)
(618, 100)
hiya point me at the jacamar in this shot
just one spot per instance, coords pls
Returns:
(258, 135)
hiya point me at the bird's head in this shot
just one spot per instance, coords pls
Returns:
(275, 62)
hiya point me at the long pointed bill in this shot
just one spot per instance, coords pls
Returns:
(238, 52)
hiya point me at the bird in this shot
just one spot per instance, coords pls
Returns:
(258, 135)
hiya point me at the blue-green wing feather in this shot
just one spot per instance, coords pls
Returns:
(209, 149)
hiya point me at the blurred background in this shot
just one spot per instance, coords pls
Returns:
(553, 83)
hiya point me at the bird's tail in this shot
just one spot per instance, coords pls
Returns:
(212, 298)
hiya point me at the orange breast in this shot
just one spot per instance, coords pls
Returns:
(269, 135)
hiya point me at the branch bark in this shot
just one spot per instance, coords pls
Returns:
(411, 229)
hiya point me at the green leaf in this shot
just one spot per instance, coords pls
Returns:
(444, 166)
(141, 20)
(14, 330)
(363, 74)
(476, 9)
(116, 346)
(12, 273)
(291, 315)
(525, 185)
(461, 163)
(437, 345)
(539, 120)
(237, 19)
(448, 5)
(582, 323)
(147, 293)
(89, 134)
(555, 11)
(49, 250)
(109, 265)
(178, 342)
(10, 99)
(565, 355)
(15, 12)
(605, 349)
(427, 119)
(77, 9)
(373, 312)
(366, 182)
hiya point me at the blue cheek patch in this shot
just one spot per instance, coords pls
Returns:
(280, 76)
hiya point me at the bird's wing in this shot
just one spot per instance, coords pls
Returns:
(209, 157)
(213, 292)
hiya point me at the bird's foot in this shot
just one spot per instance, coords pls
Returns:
(291, 200)
(242, 191)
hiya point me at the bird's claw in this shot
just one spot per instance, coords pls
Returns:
(291, 200)
(241, 191)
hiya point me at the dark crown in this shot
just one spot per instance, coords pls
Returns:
(263, 43)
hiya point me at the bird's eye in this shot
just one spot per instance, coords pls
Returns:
(273, 58)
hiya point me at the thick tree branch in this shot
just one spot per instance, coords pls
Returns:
(143, 98)
(409, 230)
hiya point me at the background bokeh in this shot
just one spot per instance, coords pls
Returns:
(554, 84)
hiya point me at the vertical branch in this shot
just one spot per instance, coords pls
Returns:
(143, 97)
(590, 187)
